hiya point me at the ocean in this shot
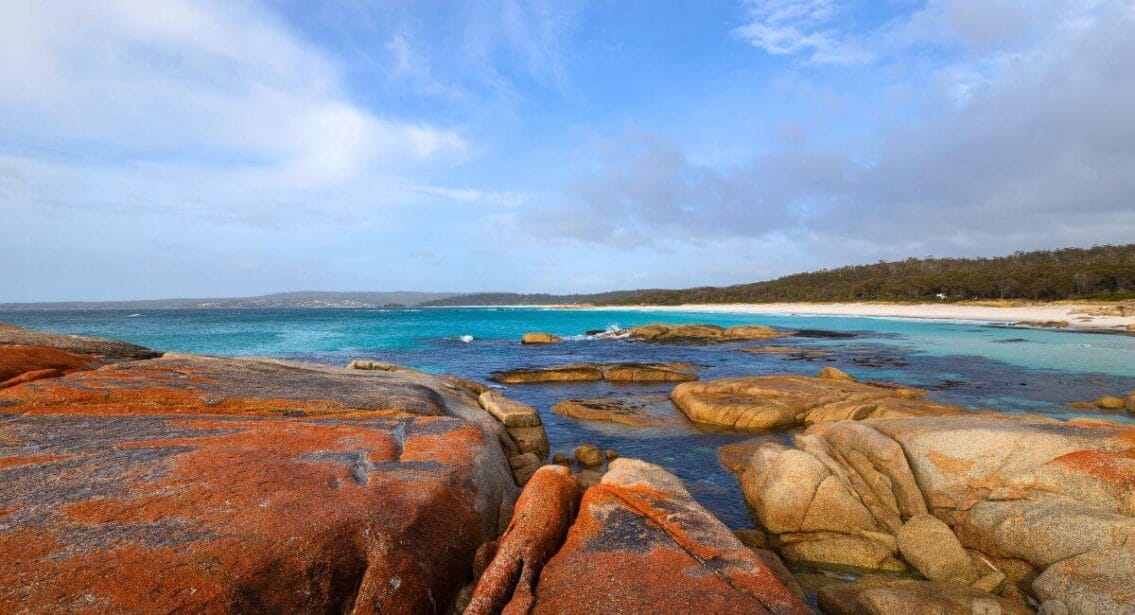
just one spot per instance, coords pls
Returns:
(970, 364)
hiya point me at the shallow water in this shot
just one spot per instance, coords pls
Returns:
(969, 364)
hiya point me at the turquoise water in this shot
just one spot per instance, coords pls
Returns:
(970, 364)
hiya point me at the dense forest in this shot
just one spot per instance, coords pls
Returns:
(1101, 272)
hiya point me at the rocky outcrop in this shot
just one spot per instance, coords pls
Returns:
(641, 544)
(107, 350)
(634, 411)
(624, 373)
(698, 334)
(26, 356)
(772, 402)
(540, 338)
(235, 485)
(544, 512)
(977, 500)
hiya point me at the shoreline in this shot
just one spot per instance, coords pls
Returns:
(1069, 316)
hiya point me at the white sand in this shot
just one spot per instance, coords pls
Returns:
(936, 311)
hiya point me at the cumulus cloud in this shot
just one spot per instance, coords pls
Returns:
(216, 102)
(1036, 153)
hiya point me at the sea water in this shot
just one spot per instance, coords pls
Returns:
(971, 364)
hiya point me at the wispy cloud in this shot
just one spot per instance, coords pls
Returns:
(792, 27)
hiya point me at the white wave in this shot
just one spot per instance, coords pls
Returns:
(133, 315)
(466, 338)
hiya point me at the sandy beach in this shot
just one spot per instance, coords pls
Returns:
(1055, 315)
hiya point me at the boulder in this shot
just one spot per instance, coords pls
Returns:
(773, 402)
(883, 596)
(831, 373)
(635, 411)
(509, 412)
(1110, 403)
(237, 485)
(700, 333)
(544, 512)
(531, 440)
(1021, 494)
(641, 544)
(588, 455)
(540, 338)
(380, 366)
(592, 372)
(931, 547)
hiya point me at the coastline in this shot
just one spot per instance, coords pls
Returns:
(1075, 315)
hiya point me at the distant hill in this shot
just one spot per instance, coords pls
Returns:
(299, 299)
(1101, 272)
(536, 299)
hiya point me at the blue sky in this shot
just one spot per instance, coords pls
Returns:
(198, 148)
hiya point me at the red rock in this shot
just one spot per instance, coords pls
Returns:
(196, 484)
(545, 510)
(19, 364)
(641, 544)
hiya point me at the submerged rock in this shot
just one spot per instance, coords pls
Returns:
(641, 544)
(233, 485)
(636, 411)
(592, 372)
(770, 402)
(540, 338)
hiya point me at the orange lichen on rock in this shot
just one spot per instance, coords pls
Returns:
(642, 545)
(19, 363)
(202, 484)
(544, 512)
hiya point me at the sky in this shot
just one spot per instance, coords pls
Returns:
(178, 148)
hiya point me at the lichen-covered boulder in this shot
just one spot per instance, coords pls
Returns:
(544, 512)
(202, 484)
(26, 356)
(641, 544)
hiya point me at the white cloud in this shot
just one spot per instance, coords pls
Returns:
(788, 27)
(220, 95)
